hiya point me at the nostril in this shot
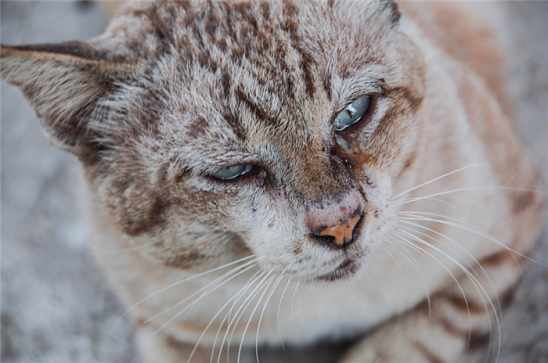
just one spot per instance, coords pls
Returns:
(326, 240)
(340, 235)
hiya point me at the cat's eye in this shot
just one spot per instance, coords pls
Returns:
(232, 172)
(352, 113)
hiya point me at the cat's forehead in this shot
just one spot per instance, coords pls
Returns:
(236, 67)
(241, 66)
(276, 43)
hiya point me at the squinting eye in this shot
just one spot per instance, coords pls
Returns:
(232, 172)
(352, 113)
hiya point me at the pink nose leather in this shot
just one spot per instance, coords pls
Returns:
(343, 232)
(334, 223)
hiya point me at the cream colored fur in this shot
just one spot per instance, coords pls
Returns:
(151, 114)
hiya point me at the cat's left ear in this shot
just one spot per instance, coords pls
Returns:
(382, 13)
(66, 85)
(389, 10)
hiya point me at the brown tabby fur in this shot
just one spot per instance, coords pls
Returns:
(176, 90)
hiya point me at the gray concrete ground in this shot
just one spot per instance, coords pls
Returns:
(56, 305)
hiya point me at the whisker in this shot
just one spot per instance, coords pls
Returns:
(207, 328)
(417, 266)
(466, 251)
(392, 256)
(408, 226)
(476, 230)
(461, 247)
(206, 288)
(227, 315)
(262, 313)
(279, 308)
(431, 200)
(240, 293)
(251, 316)
(236, 320)
(415, 199)
(409, 258)
(294, 293)
(173, 285)
(236, 297)
(434, 180)
(190, 306)
(476, 284)
(412, 245)
(474, 259)
(420, 215)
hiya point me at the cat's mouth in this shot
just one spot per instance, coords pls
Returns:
(346, 269)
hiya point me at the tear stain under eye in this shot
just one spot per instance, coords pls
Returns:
(351, 151)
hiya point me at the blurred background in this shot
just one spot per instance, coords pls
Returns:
(56, 305)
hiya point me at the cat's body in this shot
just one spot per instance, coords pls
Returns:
(231, 85)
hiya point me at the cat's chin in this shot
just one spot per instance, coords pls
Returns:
(347, 269)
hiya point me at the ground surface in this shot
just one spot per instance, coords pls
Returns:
(56, 306)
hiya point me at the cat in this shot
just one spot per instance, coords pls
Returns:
(240, 153)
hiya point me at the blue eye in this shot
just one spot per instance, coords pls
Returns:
(232, 172)
(352, 113)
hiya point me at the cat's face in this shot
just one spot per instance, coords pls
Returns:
(226, 140)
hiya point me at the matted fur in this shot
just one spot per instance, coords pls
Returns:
(173, 99)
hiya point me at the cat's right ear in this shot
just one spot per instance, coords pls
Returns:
(389, 10)
(65, 84)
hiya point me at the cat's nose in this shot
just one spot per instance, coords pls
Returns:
(340, 235)
(337, 226)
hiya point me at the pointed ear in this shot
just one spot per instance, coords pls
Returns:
(389, 9)
(65, 83)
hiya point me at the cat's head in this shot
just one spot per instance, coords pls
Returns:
(213, 130)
